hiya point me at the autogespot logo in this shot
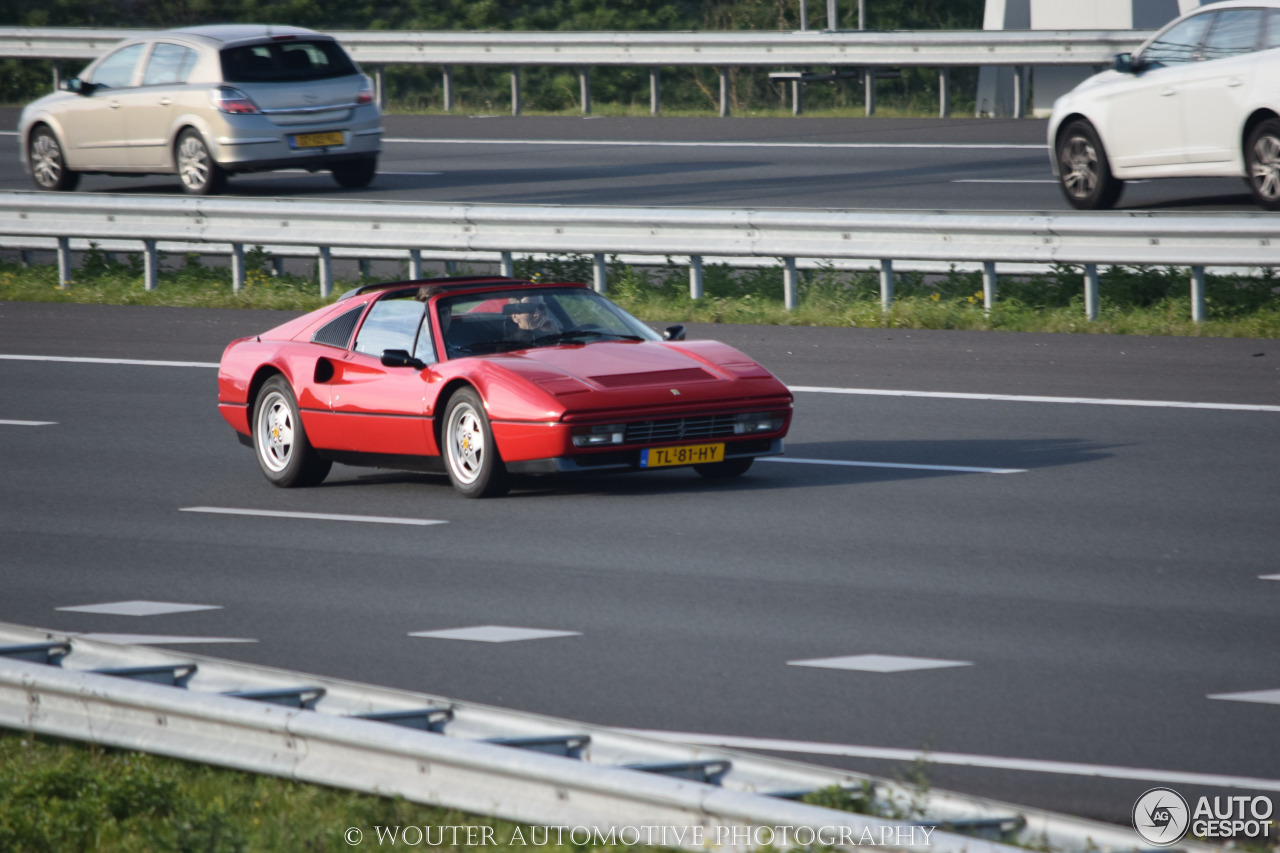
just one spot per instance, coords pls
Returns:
(1161, 817)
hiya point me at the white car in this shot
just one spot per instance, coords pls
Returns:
(204, 103)
(1201, 98)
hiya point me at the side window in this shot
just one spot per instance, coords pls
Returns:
(1234, 32)
(169, 64)
(1180, 43)
(116, 71)
(1272, 38)
(390, 324)
(337, 332)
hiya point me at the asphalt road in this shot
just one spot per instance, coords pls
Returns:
(1088, 605)
(924, 164)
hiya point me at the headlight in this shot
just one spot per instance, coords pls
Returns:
(598, 436)
(758, 422)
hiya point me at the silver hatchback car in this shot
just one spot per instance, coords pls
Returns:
(207, 102)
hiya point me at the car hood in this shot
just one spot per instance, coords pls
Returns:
(640, 372)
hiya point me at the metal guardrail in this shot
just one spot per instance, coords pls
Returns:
(581, 50)
(526, 768)
(879, 238)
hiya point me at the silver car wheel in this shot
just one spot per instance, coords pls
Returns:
(46, 160)
(274, 432)
(1079, 167)
(465, 443)
(194, 163)
(1266, 167)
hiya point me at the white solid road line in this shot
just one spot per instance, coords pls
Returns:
(28, 423)
(807, 389)
(132, 361)
(1031, 765)
(1017, 398)
(161, 639)
(952, 468)
(642, 144)
(311, 516)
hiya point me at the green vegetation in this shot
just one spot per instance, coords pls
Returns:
(64, 797)
(1133, 300)
(545, 90)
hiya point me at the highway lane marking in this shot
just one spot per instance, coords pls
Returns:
(812, 389)
(1269, 577)
(160, 639)
(28, 423)
(312, 516)
(1018, 398)
(1003, 181)
(976, 146)
(133, 361)
(1267, 697)
(1031, 765)
(139, 608)
(964, 469)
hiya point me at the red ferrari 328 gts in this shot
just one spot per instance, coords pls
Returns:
(485, 377)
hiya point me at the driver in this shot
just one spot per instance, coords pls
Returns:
(532, 319)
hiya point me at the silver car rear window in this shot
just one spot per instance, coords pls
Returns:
(285, 61)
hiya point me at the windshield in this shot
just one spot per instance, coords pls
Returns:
(509, 320)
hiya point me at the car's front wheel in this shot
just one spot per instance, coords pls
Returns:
(199, 173)
(355, 174)
(1262, 164)
(470, 454)
(280, 442)
(48, 166)
(1083, 169)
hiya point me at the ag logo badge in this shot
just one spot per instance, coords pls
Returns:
(1161, 817)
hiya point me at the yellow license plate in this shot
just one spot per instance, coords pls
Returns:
(317, 140)
(689, 454)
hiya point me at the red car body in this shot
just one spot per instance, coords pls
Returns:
(602, 396)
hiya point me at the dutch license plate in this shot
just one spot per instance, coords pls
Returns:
(689, 454)
(316, 140)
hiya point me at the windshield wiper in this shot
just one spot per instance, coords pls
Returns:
(577, 334)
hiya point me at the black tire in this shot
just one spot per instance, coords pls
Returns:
(1083, 170)
(726, 469)
(199, 172)
(355, 174)
(279, 441)
(47, 164)
(470, 455)
(1262, 164)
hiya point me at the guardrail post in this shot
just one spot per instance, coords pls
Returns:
(415, 264)
(584, 89)
(944, 92)
(988, 285)
(1197, 294)
(1091, 292)
(26, 258)
(365, 268)
(695, 276)
(886, 284)
(450, 267)
(655, 90)
(379, 91)
(1018, 95)
(724, 91)
(447, 83)
(277, 266)
(833, 17)
(601, 271)
(64, 262)
(508, 265)
(515, 91)
(237, 267)
(150, 265)
(797, 97)
(871, 90)
(324, 266)
(57, 74)
(790, 284)
(804, 16)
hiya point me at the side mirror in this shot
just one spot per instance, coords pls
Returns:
(1124, 63)
(75, 84)
(673, 333)
(401, 358)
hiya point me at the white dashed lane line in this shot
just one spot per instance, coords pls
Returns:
(161, 639)
(311, 516)
(28, 423)
(1017, 398)
(957, 469)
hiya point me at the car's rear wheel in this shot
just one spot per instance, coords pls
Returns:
(470, 454)
(1083, 169)
(48, 166)
(1262, 164)
(727, 468)
(280, 442)
(199, 173)
(355, 174)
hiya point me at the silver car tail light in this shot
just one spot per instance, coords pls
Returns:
(233, 101)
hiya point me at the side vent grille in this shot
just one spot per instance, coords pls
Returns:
(337, 332)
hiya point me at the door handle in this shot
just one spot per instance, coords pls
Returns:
(1167, 91)
(1234, 82)
(164, 102)
(115, 105)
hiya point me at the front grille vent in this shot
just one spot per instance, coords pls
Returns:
(680, 429)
